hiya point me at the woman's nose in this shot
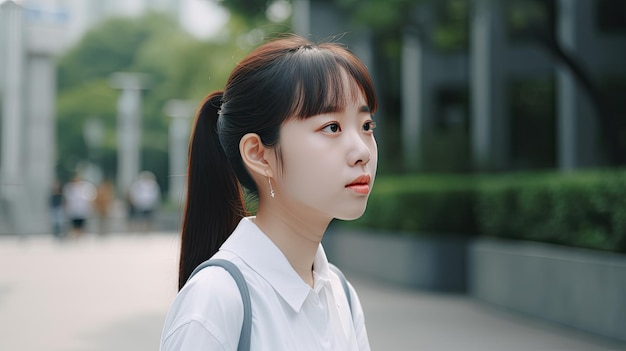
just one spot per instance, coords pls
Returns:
(360, 153)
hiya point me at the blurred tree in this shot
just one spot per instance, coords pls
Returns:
(179, 65)
(108, 48)
(84, 91)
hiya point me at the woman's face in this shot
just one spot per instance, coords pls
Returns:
(329, 162)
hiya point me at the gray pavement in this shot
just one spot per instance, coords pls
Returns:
(112, 293)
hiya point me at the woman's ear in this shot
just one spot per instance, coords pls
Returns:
(254, 155)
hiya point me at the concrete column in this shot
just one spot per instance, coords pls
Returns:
(418, 91)
(180, 112)
(578, 143)
(490, 120)
(45, 38)
(128, 126)
(40, 139)
(418, 78)
(12, 186)
(29, 94)
(411, 94)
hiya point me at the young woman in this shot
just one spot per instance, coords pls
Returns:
(294, 127)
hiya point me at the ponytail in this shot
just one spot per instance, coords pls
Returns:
(214, 198)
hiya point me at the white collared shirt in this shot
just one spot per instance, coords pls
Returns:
(287, 314)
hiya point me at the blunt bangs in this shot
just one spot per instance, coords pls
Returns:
(326, 79)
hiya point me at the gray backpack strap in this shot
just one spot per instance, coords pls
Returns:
(344, 283)
(246, 328)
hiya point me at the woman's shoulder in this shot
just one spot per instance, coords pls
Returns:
(211, 302)
(211, 285)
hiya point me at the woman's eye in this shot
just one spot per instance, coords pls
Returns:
(369, 126)
(332, 128)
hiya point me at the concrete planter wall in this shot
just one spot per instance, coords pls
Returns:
(580, 288)
(423, 262)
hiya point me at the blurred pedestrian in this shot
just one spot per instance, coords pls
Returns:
(294, 126)
(145, 197)
(77, 196)
(57, 215)
(131, 213)
(105, 194)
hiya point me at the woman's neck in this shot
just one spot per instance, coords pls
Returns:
(298, 237)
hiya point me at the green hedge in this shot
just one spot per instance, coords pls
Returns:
(421, 204)
(583, 209)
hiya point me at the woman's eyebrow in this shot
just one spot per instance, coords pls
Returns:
(364, 108)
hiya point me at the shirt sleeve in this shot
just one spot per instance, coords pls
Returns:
(192, 335)
(207, 314)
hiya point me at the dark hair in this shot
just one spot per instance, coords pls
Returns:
(285, 78)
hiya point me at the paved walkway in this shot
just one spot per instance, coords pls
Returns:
(101, 294)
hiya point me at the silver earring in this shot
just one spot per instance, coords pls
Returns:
(269, 180)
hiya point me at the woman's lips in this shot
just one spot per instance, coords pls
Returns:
(360, 185)
(359, 188)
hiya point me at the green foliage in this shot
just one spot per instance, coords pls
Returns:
(109, 48)
(450, 32)
(582, 209)
(422, 204)
(389, 18)
(527, 18)
(378, 14)
(252, 10)
(85, 92)
(94, 99)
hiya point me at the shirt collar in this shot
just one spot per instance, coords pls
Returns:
(321, 270)
(250, 244)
